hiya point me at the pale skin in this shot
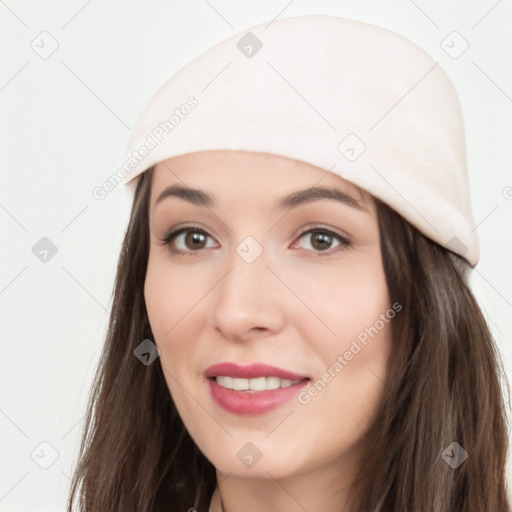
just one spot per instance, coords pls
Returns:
(298, 306)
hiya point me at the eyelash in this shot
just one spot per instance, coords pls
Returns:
(345, 243)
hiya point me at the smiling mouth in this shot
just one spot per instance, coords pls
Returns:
(252, 389)
(254, 396)
(255, 384)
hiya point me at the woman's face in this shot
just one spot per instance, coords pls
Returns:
(263, 273)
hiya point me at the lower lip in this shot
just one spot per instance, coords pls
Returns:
(256, 402)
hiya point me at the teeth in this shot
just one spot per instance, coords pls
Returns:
(256, 384)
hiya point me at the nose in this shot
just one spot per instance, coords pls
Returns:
(248, 301)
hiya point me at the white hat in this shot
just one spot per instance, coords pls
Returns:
(352, 98)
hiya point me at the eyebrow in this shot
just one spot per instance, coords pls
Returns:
(293, 200)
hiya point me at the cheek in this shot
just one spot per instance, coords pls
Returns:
(169, 295)
(351, 355)
(170, 300)
(340, 404)
(345, 301)
(363, 327)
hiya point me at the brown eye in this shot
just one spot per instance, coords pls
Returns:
(321, 240)
(187, 241)
(195, 240)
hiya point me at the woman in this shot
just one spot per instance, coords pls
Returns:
(292, 326)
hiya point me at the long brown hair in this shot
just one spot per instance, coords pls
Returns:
(442, 386)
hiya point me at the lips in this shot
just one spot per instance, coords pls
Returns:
(251, 371)
(245, 399)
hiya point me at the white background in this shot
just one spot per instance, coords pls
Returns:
(65, 122)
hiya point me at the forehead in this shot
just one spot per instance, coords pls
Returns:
(222, 171)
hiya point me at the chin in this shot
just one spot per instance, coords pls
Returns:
(252, 460)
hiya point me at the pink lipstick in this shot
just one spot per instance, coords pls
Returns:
(252, 389)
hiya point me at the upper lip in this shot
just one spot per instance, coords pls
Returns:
(251, 371)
